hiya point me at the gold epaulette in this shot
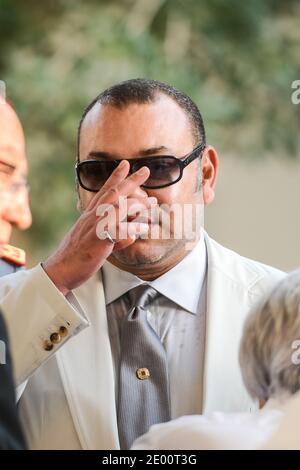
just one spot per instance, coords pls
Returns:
(13, 255)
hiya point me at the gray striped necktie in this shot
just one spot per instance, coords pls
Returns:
(143, 393)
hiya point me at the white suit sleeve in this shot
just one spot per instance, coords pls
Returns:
(38, 317)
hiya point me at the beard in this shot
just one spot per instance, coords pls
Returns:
(146, 252)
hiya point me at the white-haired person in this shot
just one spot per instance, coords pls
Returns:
(270, 365)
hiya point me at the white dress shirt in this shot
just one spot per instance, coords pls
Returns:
(178, 318)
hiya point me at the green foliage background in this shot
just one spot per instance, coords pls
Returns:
(237, 59)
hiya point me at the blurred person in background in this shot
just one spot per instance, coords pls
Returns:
(116, 334)
(270, 366)
(14, 202)
(14, 212)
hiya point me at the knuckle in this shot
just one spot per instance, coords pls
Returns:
(113, 192)
(135, 176)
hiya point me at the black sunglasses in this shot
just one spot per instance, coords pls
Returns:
(164, 170)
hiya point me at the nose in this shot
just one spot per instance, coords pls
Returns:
(18, 211)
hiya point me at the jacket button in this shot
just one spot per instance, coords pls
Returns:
(48, 346)
(55, 338)
(143, 373)
(63, 331)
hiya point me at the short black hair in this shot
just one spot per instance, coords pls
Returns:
(141, 90)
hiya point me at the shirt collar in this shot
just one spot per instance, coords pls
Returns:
(182, 284)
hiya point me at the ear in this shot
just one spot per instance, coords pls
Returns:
(209, 167)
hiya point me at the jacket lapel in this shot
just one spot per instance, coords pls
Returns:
(86, 368)
(227, 306)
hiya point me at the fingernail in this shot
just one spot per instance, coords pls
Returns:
(122, 163)
(152, 200)
(143, 170)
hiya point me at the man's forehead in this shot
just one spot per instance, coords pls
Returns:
(152, 124)
(10, 125)
(101, 113)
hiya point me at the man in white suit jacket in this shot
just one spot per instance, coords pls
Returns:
(56, 313)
